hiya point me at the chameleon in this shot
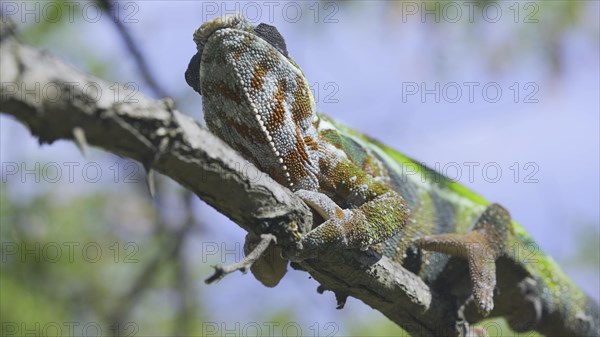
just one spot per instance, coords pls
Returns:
(256, 98)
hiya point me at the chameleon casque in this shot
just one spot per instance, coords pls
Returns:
(256, 98)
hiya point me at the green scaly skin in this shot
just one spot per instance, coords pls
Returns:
(256, 98)
(546, 300)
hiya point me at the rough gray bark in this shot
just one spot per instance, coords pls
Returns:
(174, 144)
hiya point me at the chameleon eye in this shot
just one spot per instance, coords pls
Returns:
(272, 36)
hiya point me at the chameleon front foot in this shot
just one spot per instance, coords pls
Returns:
(373, 222)
(481, 247)
(328, 236)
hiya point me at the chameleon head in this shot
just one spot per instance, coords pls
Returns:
(256, 98)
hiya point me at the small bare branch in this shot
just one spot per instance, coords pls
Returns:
(245, 264)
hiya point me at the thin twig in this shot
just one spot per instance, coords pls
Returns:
(245, 264)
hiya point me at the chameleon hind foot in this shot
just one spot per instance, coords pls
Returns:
(481, 247)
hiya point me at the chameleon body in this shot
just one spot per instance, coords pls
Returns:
(256, 98)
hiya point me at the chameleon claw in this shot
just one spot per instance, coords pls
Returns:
(485, 308)
(484, 302)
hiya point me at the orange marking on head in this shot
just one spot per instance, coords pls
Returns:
(277, 116)
(297, 158)
(301, 146)
(258, 79)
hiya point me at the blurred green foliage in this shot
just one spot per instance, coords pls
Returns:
(69, 260)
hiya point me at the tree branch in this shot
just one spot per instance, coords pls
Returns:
(56, 101)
